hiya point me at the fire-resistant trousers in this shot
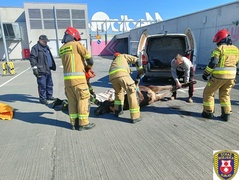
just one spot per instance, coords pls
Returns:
(78, 103)
(224, 86)
(127, 84)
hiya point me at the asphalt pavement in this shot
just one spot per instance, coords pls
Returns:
(172, 142)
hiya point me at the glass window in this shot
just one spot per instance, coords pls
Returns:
(63, 14)
(47, 13)
(78, 14)
(34, 13)
(35, 24)
(63, 24)
(49, 24)
(79, 24)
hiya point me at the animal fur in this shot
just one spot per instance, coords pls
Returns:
(147, 95)
(150, 95)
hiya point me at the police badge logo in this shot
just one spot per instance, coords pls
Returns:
(225, 164)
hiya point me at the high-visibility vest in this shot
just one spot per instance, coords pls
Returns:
(6, 112)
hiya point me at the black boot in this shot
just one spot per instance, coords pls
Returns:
(119, 112)
(56, 102)
(87, 127)
(136, 120)
(207, 115)
(76, 126)
(225, 117)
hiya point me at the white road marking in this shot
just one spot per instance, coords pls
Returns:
(199, 88)
(14, 77)
(186, 90)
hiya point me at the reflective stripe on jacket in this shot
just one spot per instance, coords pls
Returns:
(120, 66)
(73, 55)
(228, 58)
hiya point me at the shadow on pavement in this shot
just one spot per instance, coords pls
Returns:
(109, 116)
(37, 118)
(198, 116)
(102, 82)
(199, 100)
(18, 97)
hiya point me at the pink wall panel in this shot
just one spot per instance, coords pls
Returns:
(103, 48)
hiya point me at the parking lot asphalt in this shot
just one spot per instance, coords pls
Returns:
(171, 142)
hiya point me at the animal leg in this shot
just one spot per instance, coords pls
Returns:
(158, 89)
(161, 96)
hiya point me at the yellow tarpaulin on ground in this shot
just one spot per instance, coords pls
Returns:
(6, 112)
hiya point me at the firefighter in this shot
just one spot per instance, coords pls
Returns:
(76, 61)
(222, 68)
(119, 76)
(182, 67)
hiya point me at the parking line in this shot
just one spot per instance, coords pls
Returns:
(14, 77)
(199, 88)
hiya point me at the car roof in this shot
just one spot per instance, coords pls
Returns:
(161, 35)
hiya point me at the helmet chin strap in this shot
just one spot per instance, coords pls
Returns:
(67, 38)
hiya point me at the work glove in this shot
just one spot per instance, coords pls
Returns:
(205, 76)
(89, 74)
(87, 68)
(140, 74)
(35, 71)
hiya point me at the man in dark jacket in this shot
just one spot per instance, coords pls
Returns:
(42, 63)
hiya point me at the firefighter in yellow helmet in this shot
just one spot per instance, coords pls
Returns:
(119, 76)
(76, 61)
(222, 69)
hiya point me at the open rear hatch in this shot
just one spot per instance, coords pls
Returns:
(161, 50)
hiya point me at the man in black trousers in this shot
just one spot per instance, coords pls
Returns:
(42, 63)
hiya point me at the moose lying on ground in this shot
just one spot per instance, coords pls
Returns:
(105, 101)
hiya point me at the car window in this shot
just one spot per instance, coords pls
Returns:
(165, 43)
(162, 50)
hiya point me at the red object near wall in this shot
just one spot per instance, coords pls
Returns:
(26, 53)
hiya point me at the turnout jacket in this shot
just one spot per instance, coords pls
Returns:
(39, 59)
(74, 55)
(120, 66)
(224, 60)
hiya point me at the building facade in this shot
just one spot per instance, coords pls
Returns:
(23, 26)
(203, 25)
(35, 19)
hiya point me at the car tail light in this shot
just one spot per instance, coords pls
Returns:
(144, 60)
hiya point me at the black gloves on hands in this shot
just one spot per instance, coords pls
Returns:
(87, 68)
(205, 76)
(35, 72)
